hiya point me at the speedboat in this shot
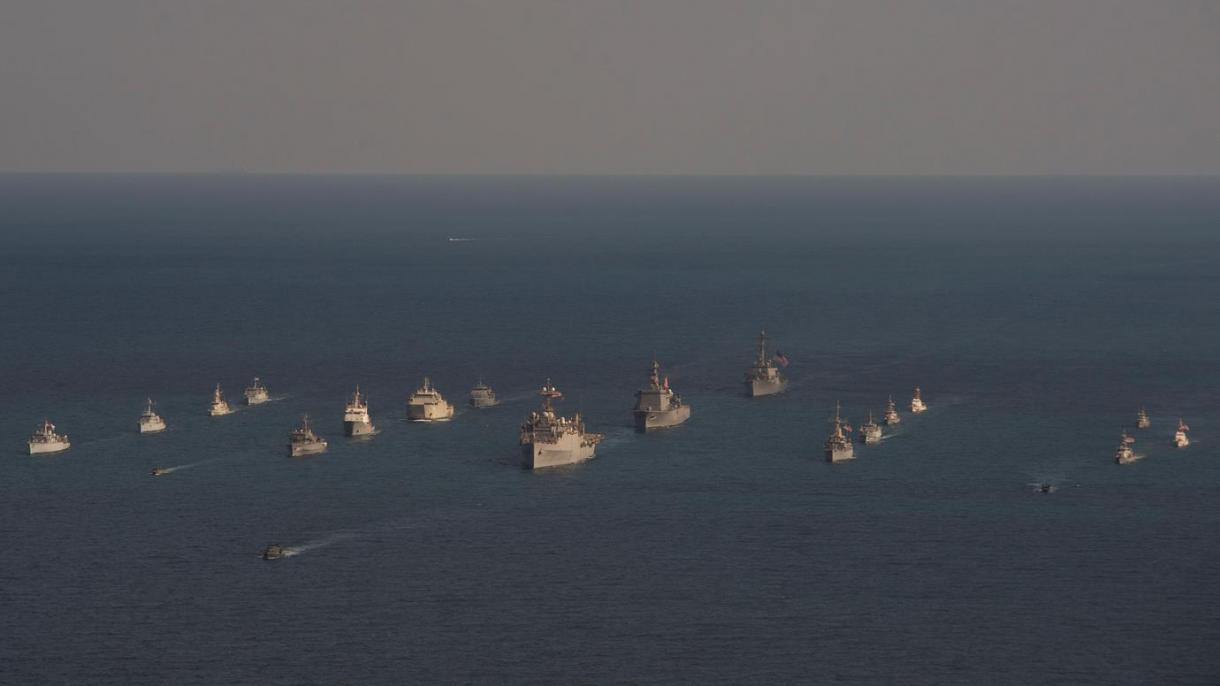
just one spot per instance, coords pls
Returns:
(273, 552)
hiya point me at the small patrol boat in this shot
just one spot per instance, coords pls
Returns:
(274, 552)
(257, 393)
(45, 440)
(220, 406)
(1180, 439)
(150, 421)
(870, 431)
(917, 405)
(1141, 420)
(159, 471)
(891, 413)
(303, 441)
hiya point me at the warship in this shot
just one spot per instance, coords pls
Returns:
(764, 377)
(45, 440)
(427, 405)
(1124, 454)
(150, 421)
(1180, 439)
(838, 445)
(220, 406)
(356, 420)
(303, 441)
(1141, 420)
(657, 407)
(917, 405)
(257, 394)
(482, 396)
(548, 440)
(891, 413)
(870, 431)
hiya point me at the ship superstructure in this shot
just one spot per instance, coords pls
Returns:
(548, 440)
(257, 393)
(917, 405)
(838, 445)
(764, 378)
(303, 441)
(427, 405)
(220, 406)
(356, 420)
(45, 440)
(1180, 437)
(150, 422)
(870, 431)
(891, 413)
(657, 406)
(1141, 420)
(1124, 454)
(482, 396)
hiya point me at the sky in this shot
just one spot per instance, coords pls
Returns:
(687, 87)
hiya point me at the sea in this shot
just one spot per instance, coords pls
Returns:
(1037, 315)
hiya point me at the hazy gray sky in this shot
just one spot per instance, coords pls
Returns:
(617, 87)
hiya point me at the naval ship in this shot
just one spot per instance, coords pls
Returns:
(917, 405)
(838, 446)
(764, 377)
(303, 441)
(870, 431)
(427, 405)
(220, 406)
(257, 394)
(657, 407)
(1141, 420)
(548, 440)
(1180, 439)
(891, 413)
(45, 440)
(1124, 454)
(482, 396)
(150, 421)
(356, 420)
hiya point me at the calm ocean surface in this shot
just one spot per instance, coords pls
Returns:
(1037, 315)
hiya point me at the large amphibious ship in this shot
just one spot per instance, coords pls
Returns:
(764, 377)
(891, 413)
(427, 405)
(1141, 420)
(482, 396)
(870, 431)
(548, 440)
(838, 445)
(356, 420)
(303, 441)
(45, 440)
(257, 394)
(220, 406)
(1180, 439)
(657, 407)
(150, 421)
(917, 405)
(1124, 454)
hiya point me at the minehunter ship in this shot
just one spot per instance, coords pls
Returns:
(1141, 420)
(548, 440)
(356, 420)
(1180, 439)
(917, 405)
(303, 441)
(257, 394)
(45, 440)
(838, 445)
(220, 406)
(482, 396)
(657, 406)
(150, 421)
(870, 431)
(891, 413)
(1124, 454)
(427, 405)
(764, 377)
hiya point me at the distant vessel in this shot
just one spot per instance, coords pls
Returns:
(482, 396)
(1180, 439)
(356, 420)
(220, 406)
(657, 407)
(1124, 454)
(838, 446)
(764, 377)
(1142, 421)
(427, 405)
(870, 431)
(257, 394)
(273, 552)
(303, 441)
(917, 405)
(45, 440)
(1046, 487)
(548, 440)
(891, 413)
(159, 471)
(150, 421)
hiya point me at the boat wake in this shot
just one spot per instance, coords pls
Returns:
(325, 541)
(177, 468)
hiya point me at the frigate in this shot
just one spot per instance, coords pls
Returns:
(1180, 439)
(870, 431)
(917, 405)
(1124, 454)
(657, 406)
(548, 440)
(427, 405)
(1141, 420)
(257, 393)
(150, 422)
(45, 440)
(764, 378)
(303, 441)
(220, 406)
(838, 445)
(482, 396)
(356, 420)
(891, 413)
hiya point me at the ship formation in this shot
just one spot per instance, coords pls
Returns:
(656, 405)
(150, 422)
(549, 440)
(763, 377)
(427, 405)
(356, 420)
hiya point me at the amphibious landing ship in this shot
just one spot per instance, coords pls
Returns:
(427, 405)
(764, 378)
(548, 440)
(657, 407)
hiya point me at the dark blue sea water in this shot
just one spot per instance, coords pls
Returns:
(1038, 315)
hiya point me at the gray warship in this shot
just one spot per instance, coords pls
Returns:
(917, 404)
(303, 441)
(150, 422)
(220, 406)
(658, 407)
(548, 440)
(870, 431)
(482, 396)
(257, 393)
(764, 378)
(1124, 454)
(356, 420)
(838, 445)
(891, 413)
(1141, 420)
(427, 404)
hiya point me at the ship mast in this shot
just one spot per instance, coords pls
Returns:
(762, 348)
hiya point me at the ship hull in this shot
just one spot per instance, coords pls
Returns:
(220, 411)
(1125, 459)
(543, 455)
(256, 400)
(648, 420)
(152, 427)
(1180, 441)
(48, 448)
(303, 449)
(480, 403)
(756, 388)
(430, 413)
(840, 454)
(353, 429)
(871, 437)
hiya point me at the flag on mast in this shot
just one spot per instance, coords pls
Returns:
(781, 359)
